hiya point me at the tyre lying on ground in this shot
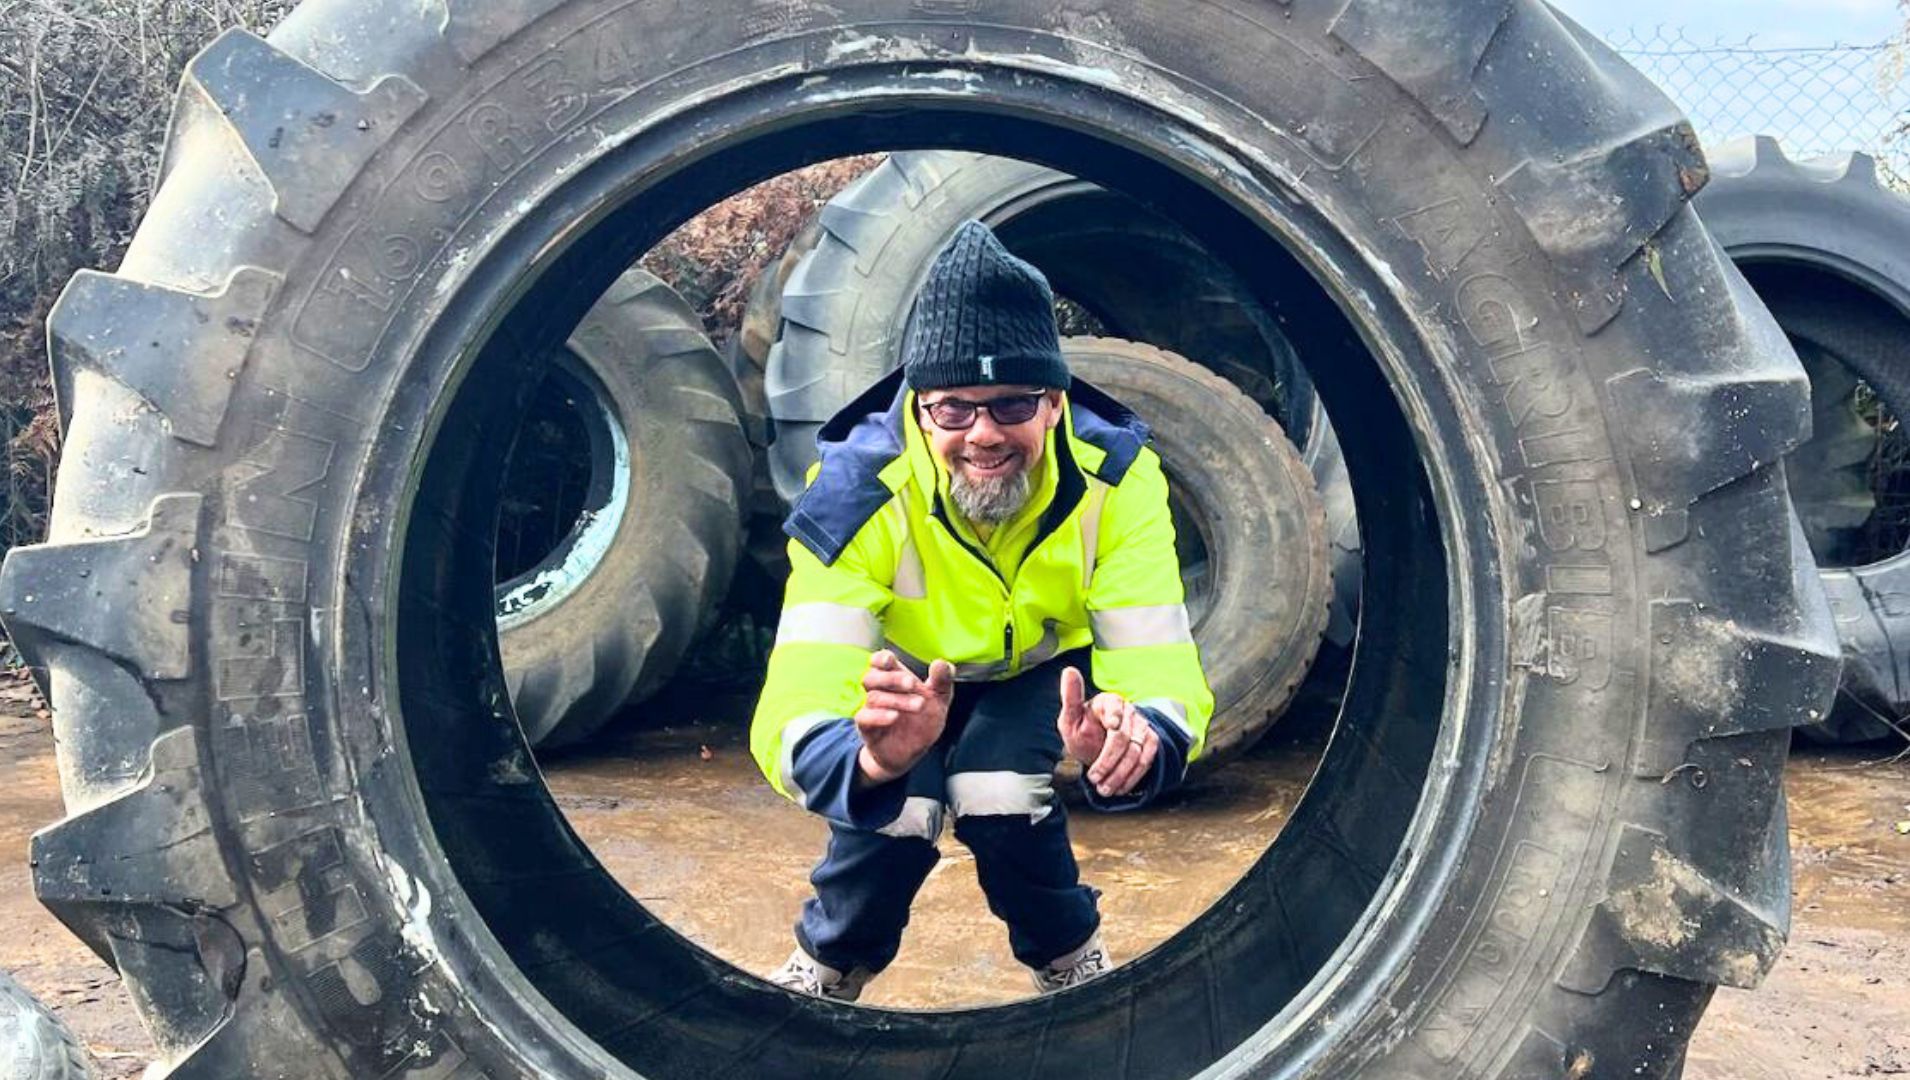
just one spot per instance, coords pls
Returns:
(1827, 247)
(34, 1045)
(307, 831)
(1249, 526)
(605, 616)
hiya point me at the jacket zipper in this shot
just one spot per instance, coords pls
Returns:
(1008, 613)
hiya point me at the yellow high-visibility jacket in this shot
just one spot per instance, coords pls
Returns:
(879, 559)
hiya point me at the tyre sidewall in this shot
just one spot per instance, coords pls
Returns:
(309, 480)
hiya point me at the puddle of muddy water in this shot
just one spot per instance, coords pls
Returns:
(686, 822)
(707, 845)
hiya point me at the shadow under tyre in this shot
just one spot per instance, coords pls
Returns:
(306, 829)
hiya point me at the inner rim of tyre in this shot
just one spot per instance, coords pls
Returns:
(1824, 480)
(1325, 899)
(562, 569)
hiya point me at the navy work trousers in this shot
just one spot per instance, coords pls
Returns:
(991, 769)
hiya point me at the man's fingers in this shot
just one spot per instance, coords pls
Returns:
(896, 703)
(1109, 709)
(898, 681)
(941, 678)
(884, 660)
(1135, 766)
(872, 717)
(1126, 739)
(1114, 748)
(1073, 691)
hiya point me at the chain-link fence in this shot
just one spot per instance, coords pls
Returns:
(1819, 100)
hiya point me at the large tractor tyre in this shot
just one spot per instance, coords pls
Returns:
(1250, 528)
(831, 318)
(34, 1045)
(1827, 247)
(306, 829)
(606, 616)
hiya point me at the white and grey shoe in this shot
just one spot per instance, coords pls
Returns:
(1089, 961)
(804, 974)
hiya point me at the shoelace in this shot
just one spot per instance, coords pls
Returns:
(801, 978)
(1090, 965)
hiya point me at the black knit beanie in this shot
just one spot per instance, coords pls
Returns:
(982, 316)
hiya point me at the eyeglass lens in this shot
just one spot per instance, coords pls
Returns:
(954, 414)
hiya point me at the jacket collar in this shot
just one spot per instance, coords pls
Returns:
(864, 462)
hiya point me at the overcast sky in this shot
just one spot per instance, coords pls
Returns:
(1769, 23)
(1791, 82)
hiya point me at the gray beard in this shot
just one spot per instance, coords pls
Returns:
(990, 501)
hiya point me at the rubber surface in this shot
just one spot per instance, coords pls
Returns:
(605, 619)
(1828, 248)
(310, 837)
(34, 1045)
(1267, 580)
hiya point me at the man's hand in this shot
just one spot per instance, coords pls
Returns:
(1108, 735)
(901, 716)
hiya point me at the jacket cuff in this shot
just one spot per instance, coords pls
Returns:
(1168, 770)
(824, 775)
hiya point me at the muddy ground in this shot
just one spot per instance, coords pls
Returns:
(682, 817)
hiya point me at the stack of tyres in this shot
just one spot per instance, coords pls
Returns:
(302, 825)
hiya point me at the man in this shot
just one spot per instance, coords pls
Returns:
(980, 531)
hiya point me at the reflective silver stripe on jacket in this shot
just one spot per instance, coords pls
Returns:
(921, 816)
(911, 581)
(966, 672)
(979, 794)
(1133, 627)
(822, 623)
(1044, 650)
(794, 731)
(1091, 530)
(980, 672)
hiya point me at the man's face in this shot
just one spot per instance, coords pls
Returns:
(988, 461)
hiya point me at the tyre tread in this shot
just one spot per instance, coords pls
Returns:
(309, 135)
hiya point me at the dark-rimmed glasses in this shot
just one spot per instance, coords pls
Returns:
(956, 414)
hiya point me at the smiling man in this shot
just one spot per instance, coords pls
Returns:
(983, 580)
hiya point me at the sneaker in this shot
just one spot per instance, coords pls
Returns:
(1089, 961)
(804, 974)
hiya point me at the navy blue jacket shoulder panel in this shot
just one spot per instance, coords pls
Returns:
(856, 444)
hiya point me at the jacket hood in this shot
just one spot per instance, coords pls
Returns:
(863, 450)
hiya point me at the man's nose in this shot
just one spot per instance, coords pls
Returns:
(985, 432)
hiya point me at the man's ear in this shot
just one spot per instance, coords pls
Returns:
(1054, 410)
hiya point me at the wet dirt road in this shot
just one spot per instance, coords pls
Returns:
(701, 839)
